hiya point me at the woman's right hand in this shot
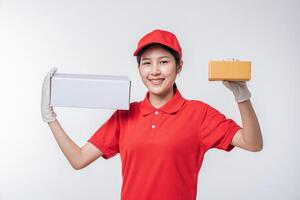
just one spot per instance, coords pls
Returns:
(48, 113)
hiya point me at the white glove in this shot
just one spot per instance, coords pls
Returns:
(239, 90)
(47, 111)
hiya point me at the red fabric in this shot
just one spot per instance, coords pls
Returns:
(163, 162)
(162, 37)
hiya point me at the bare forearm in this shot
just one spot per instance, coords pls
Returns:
(71, 150)
(251, 130)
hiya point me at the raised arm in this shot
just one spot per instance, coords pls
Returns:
(78, 157)
(249, 137)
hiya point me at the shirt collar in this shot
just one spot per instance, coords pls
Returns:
(172, 106)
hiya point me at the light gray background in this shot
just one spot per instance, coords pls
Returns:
(97, 37)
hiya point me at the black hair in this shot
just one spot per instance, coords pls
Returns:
(170, 50)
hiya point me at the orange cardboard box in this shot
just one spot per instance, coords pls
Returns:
(229, 70)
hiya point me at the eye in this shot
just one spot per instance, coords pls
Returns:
(164, 61)
(146, 63)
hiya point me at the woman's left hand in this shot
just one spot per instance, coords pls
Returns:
(239, 90)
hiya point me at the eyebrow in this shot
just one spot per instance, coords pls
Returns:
(158, 57)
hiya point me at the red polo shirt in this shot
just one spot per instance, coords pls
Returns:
(162, 149)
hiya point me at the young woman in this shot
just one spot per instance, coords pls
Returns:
(162, 139)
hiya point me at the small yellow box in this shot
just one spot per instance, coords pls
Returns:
(229, 70)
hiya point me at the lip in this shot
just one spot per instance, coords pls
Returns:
(156, 81)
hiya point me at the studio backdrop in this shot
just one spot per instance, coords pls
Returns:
(99, 37)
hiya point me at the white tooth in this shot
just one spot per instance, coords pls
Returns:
(156, 81)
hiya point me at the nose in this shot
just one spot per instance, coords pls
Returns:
(155, 69)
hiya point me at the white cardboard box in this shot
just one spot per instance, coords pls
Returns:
(90, 91)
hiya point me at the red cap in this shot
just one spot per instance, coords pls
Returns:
(162, 37)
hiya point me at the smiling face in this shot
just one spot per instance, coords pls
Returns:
(158, 70)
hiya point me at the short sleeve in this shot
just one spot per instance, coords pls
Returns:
(106, 138)
(216, 130)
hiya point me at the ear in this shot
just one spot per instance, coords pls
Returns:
(179, 66)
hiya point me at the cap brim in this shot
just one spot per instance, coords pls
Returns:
(152, 42)
(146, 44)
(141, 47)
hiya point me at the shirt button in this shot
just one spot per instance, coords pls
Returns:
(156, 112)
(153, 126)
